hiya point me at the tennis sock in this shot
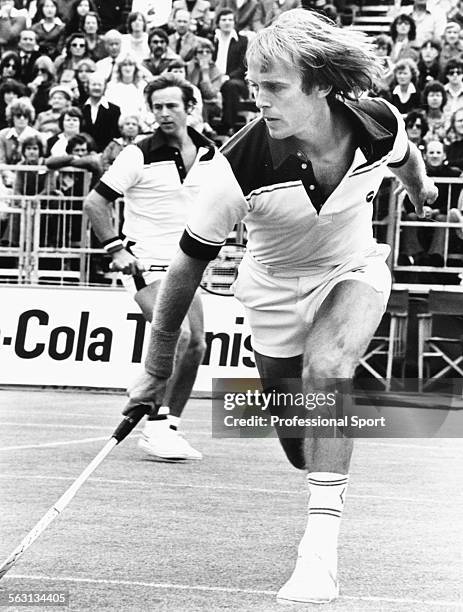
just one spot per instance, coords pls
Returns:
(158, 413)
(174, 421)
(327, 492)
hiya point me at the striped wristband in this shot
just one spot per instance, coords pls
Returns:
(112, 245)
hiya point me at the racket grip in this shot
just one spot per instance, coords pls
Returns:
(131, 419)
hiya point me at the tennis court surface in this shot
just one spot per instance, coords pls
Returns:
(220, 534)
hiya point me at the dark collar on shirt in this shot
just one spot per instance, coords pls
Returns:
(373, 138)
(158, 140)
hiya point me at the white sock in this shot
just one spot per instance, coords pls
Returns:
(327, 493)
(174, 421)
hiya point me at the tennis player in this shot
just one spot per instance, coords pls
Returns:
(158, 178)
(314, 281)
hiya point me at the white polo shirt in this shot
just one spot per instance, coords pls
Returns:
(158, 193)
(290, 226)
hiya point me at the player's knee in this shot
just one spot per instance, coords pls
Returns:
(334, 364)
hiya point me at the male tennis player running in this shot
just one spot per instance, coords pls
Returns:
(314, 281)
(158, 178)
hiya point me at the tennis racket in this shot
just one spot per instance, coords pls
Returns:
(220, 274)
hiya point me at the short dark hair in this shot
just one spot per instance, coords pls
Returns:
(452, 64)
(160, 33)
(223, 12)
(170, 80)
(80, 139)
(71, 112)
(31, 141)
(434, 86)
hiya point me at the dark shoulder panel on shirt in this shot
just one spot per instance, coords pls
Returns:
(249, 156)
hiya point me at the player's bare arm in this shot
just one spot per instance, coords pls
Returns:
(98, 210)
(420, 188)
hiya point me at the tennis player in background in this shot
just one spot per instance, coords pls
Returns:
(314, 282)
(159, 178)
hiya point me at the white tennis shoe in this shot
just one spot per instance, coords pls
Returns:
(159, 440)
(312, 581)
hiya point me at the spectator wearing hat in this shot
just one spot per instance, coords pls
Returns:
(59, 99)
(100, 117)
(49, 28)
(160, 53)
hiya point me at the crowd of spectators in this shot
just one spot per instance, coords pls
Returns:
(78, 68)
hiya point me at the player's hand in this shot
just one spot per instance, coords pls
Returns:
(125, 262)
(147, 389)
(424, 198)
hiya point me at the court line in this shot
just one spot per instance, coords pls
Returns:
(231, 590)
(202, 432)
(169, 485)
(45, 445)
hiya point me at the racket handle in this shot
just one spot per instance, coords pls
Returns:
(131, 419)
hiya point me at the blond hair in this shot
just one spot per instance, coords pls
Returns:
(322, 53)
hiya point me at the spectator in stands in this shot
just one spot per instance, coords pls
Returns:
(10, 90)
(107, 65)
(199, 11)
(28, 53)
(247, 13)
(426, 246)
(404, 95)
(182, 41)
(75, 50)
(434, 100)
(383, 46)
(95, 43)
(70, 123)
(160, 54)
(11, 25)
(454, 86)
(428, 25)
(455, 136)
(112, 14)
(202, 72)
(68, 79)
(27, 182)
(49, 28)
(157, 12)
(428, 64)
(80, 153)
(60, 98)
(20, 115)
(78, 10)
(229, 56)
(417, 128)
(452, 48)
(130, 128)
(403, 33)
(44, 78)
(126, 87)
(135, 42)
(10, 66)
(84, 69)
(101, 117)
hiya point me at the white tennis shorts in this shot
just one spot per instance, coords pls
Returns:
(280, 310)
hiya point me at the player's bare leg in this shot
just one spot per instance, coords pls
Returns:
(341, 332)
(160, 437)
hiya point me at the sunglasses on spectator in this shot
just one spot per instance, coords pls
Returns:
(78, 45)
(203, 51)
(20, 114)
(454, 71)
